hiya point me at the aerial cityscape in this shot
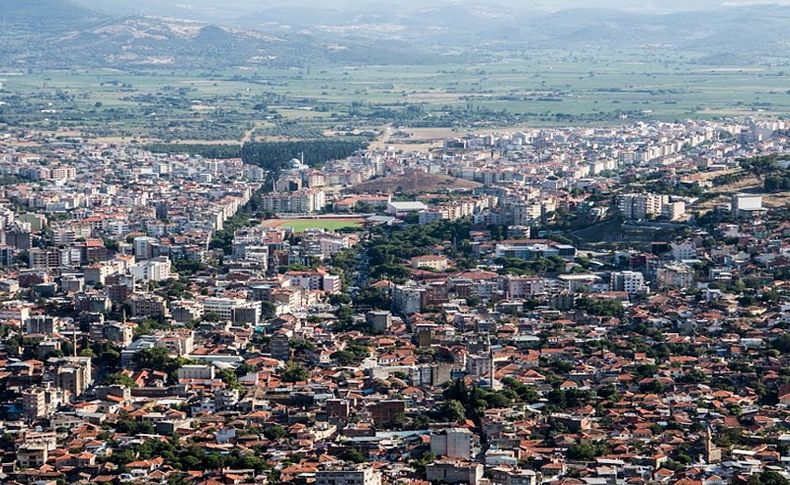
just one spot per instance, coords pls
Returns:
(487, 242)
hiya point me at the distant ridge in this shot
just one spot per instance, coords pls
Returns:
(61, 34)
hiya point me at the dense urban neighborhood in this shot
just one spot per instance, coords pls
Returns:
(559, 305)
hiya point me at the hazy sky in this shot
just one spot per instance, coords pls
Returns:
(235, 6)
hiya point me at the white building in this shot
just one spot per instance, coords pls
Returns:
(641, 206)
(233, 310)
(144, 247)
(631, 282)
(405, 208)
(684, 251)
(407, 299)
(152, 270)
(361, 476)
(452, 443)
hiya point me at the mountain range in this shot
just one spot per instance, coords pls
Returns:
(64, 34)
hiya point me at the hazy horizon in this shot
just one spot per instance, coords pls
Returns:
(238, 9)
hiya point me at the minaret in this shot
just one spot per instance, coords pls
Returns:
(492, 366)
(74, 343)
(712, 452)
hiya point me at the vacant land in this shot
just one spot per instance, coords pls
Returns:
(413, 183)
(746, 183)
(301, 225)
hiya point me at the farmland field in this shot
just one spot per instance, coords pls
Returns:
(546, 88)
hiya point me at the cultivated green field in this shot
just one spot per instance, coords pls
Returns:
(301, 225)
(536, 89)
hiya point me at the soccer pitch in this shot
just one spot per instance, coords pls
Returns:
(301, 225)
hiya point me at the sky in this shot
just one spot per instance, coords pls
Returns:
(657, 6)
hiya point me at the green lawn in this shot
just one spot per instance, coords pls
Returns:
(301, 225)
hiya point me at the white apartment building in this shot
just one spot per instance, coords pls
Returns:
(152, 270)
(301, 201)
(233, 310)
(641, 206)
(631, 282)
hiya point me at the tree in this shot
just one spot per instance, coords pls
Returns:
(158, 359)
(230, 378)
(130, 426)
(295, 373)
(353, 455)
(120, 379)
(782, 343)
(601, 308)
(768, 478)
(582, 452)
(452, 410)
(425, 459)
(274, 432)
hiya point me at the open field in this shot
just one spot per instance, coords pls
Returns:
(413, 183)
(301, 225)
(746, 183)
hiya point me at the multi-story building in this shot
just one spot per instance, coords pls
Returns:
(452, 443)
(280, 346)
(299, 202)
(144, 247)
(348, 476)
(34, 403)
(407, 299)
(451, 470)
(42, 324)
(74, 374)
(641, 206)
(684, 251)
(675, 275)
(632, 282)
(674, 211)
(157, 269)
(196, 371)
(436, 263)
(524, 286)
(379, 321)
(147, 305)
(233, 310)
(315, 281)
(44, 258)
(186, 310)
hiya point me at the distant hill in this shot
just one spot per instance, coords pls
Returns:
(756, 30)
(61, 34)
(413, 183)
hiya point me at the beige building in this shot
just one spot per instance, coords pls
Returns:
(34, 403)
(675, 275)
(437, 263)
